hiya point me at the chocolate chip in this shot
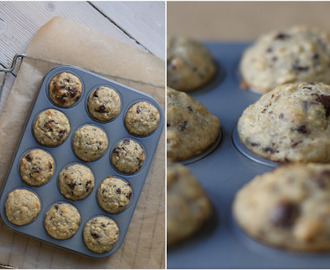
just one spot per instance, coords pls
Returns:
(118, 190)
(28, 157)
(72, 91)
(182, 126)
(129, 195)
(281, 116)
(168, 124)
(126, 141)
(72, 185)
(95, 235)
(103, 225)
(252, 143)
(284, 214)
(101, 108)
(268, 149)
(282, 36)
(95, 93)
(325, 100)
(301, 129)
(269, 50)
(296, 143)
(87, 185)
(61, 132)
(316, 56)
(274, 58)
(50, 165)
(36, 169)
(138, 110)
(300, 68)
(56, 206)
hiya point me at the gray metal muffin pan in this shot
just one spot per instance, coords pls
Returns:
(221, 243)
(63, 155)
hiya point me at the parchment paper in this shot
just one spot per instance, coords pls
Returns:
(61, 41)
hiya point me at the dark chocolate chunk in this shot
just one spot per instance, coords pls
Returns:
(268, 149)
(325, 100)
(281, 116)
(36, 169)
(190, 109)
(300, 68)
(296, 143)
(95, 93)
(129, 195)
(138, 110)
(269, 50)
(72, 91)
(100, 109)
(182, 126)
(126, 141)
(118, 190)
(95, 235)
(56, 206)
(168, 124)
(284, 214)
(316, 56)
(50, 165)
(282, 36)
(28, 157)
(72, 185)
(301, 129)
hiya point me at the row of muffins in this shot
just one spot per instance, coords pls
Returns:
(288, 124)
(62, 220)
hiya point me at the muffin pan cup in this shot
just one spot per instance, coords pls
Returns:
(63, 155)
(222, 243)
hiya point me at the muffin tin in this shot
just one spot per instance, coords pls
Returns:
(63, 155)
(221, 243)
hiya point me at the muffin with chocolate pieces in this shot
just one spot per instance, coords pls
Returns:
(297, 54)
(290, 123)
(65, 89)
(288, 207)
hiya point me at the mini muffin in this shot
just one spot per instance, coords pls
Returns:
(36, 167)
(22, 206)
(290, 123)
(288, 207)
(142, 118)
(297, 54)
(104, 103)
(114, 195)
(89, 143)
(65, 89)
(189, 64)
(62, 221)
(188, 207)
(51, 128)
(191, 128)
(100, 234)
(76, 182)
(127, 156)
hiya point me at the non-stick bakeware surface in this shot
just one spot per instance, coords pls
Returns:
(221, 243)
(63, 155)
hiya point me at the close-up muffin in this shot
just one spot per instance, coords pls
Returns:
(290, 123)
(296, 54)
(189, 64)
(288, 207)
(191, 128)
(188, 207)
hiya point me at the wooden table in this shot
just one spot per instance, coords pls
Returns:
(139, 24)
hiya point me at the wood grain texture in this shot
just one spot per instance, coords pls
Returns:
(144, 21)
(19, 21)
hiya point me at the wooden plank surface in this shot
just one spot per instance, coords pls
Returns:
(139, 24)
(144, 21)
